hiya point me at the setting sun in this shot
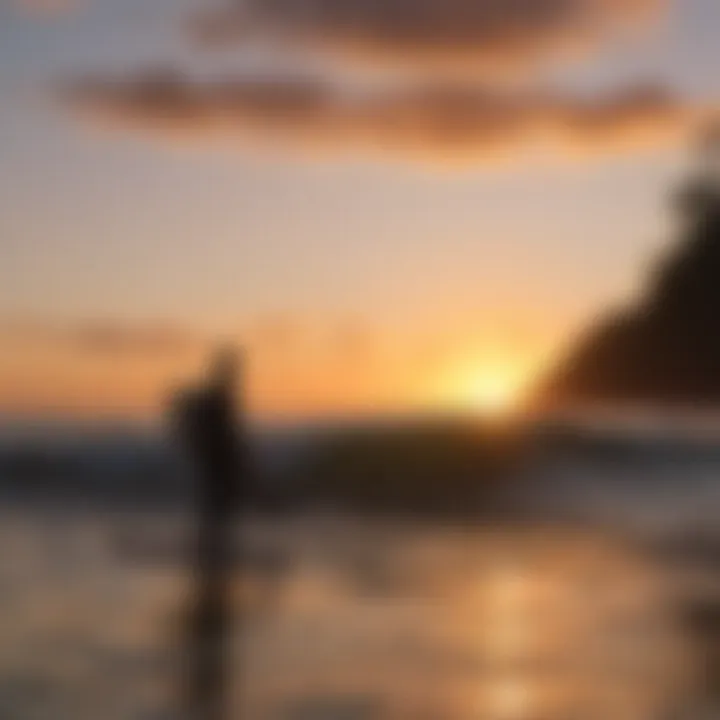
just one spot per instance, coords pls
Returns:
(493, 393)
(490, 390)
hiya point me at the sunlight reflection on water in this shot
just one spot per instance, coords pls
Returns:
(360, 620)
(497, 624)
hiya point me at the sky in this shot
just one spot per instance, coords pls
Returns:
(391, 206)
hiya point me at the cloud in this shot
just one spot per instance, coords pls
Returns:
(108, 338)
(46, 7)
(436, 118)
(472, 34)
(441, 123)
(101, 338)
(104, 366)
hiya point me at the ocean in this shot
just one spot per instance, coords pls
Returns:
(593, 600)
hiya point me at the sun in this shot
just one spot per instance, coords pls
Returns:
(495, 390)
(492, 389)
(493, 393)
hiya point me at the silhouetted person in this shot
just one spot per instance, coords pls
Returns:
(206, 419)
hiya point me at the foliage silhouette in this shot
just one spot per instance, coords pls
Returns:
(666, 348)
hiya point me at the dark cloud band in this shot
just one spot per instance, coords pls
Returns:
(465, 33)
(440, 122)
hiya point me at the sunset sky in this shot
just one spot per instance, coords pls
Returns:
(392, 205)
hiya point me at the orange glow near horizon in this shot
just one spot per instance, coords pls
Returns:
(290, 386)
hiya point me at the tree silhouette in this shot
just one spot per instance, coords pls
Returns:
(666, 348)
